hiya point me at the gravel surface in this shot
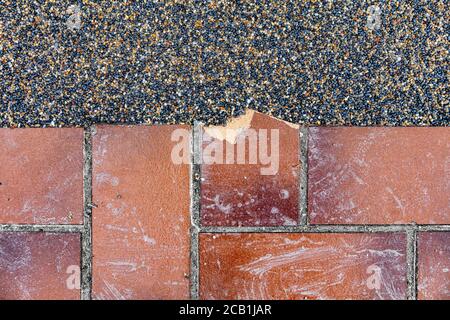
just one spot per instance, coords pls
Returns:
(313, 62)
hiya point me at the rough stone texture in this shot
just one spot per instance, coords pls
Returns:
(140, 215)
(434, 266)
(379, 175)
(302, 266)
(247, 194)
(35, 266)
(170, 61)
(41, 176)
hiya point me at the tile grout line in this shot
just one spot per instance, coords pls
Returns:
(56, 228)
(433, 228)
(324, 229)
(86, 235)
(195, 176)
(411, 262)
(303, 149)
(416, 265)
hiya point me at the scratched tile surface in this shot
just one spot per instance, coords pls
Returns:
(141, 215)
(434, 266)
(303, 266)
(318, 62)
(39, 266)
(379, 175)
(263, 192)
(41, 176)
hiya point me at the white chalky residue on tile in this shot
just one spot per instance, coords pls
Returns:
(120, 266)
(351, 173)
(116, 228)
(15, 258)
(274, 210)
(104, 177)
(100, 150)
(284, 194)
(219, 205)
(117, 209)
(299, 262)
(397, 200)
(266, 263)
(288, 221)
(111, 292)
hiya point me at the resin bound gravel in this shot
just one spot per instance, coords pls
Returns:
(315, 62)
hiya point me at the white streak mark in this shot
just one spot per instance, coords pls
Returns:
(397, 201)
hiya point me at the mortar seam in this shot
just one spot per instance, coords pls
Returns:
(416, 265)
(86, 235)
(195, 176)
(321, 229)
(49, 228)
(411, 254)
(303, 132)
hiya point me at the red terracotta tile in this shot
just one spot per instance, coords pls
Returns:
(303, 266)
(241, 194)
(434, 266)
(379, 175)
(141, 219)
(35, 266)
(41, 176)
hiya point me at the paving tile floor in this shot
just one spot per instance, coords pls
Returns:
(361, 213)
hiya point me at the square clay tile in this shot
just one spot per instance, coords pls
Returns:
(39, 266)
(379, 175)
(258, 188)
(434, 266)
(41, 176)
